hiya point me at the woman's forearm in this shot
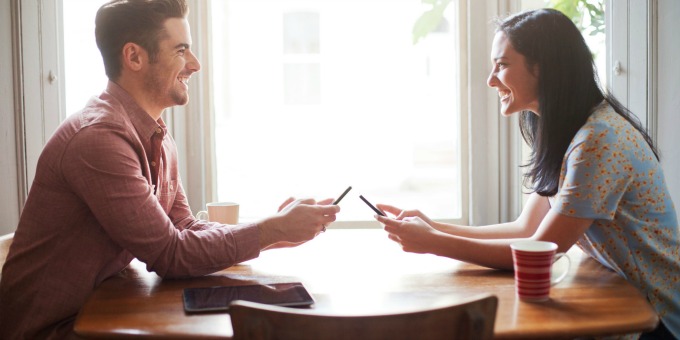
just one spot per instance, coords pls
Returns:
(535, 209)
(495, 231)
(491, 253)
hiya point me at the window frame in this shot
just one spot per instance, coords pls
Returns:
(492, 192)
(460, 7)
(37, 42)
(631, 29)
(495, 190)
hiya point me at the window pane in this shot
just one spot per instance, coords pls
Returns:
(83, 65)
(313, 96)
(301, 32)
(301, 83)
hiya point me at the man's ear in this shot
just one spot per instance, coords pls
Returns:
(134, 56)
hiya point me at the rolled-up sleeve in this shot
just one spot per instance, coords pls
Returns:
(106, 169)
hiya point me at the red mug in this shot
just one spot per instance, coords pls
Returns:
(533, 262)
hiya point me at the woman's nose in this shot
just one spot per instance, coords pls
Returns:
(492, 81)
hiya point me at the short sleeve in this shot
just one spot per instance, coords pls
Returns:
(595, 174)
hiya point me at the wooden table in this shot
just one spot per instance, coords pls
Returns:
(359, 272)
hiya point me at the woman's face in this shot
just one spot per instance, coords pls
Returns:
(515, 83)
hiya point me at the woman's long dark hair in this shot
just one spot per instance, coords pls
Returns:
(568, 90)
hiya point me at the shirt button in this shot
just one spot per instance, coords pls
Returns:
(153, 163)
(158, 130)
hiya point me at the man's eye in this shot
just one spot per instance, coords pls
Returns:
(181, 52)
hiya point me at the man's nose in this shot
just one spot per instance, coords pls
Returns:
(193, 63)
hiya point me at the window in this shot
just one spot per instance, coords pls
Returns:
(313, 96)
(83, 63)
(631, 40)
(301, 71)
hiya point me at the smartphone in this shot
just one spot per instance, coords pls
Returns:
(343, 195)
(377, 211)
(214, 299)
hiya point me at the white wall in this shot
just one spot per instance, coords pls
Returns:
(669, 94)
(9, 205)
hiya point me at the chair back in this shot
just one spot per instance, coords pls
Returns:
(470, 319)
(5, 242)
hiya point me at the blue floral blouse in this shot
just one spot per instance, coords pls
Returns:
(611, 175)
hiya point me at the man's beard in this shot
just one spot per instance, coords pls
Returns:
(154, 84)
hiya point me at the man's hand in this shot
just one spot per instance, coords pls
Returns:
(297, 221)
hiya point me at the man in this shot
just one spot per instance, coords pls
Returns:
(107, 187)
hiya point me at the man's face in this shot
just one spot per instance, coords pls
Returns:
(168, 76)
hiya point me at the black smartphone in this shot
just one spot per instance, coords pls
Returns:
(343, 195)
(377, 211)
(213, 299)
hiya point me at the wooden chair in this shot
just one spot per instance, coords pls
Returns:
(469, 319)
(5, 242)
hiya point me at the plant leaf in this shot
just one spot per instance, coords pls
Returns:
(429, 20)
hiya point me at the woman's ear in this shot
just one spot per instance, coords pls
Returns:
(134, 57)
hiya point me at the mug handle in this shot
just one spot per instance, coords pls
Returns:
(202, 215)
(558, 256)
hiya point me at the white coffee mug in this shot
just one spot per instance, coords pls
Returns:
(221, 212)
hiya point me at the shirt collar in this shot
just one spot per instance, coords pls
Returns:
(145, 125)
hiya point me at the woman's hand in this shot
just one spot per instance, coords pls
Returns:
(413, 233)
(402, 214)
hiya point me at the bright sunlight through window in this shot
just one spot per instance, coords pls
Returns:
(83, 64)
(313, 96)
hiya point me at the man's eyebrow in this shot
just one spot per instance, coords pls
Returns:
(182, 45)
(500, 58)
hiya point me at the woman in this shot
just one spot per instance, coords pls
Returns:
(594, 171)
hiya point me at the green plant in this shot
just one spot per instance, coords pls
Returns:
(429, 20)
(588, 15)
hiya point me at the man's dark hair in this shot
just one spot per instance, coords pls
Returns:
(119, 22)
